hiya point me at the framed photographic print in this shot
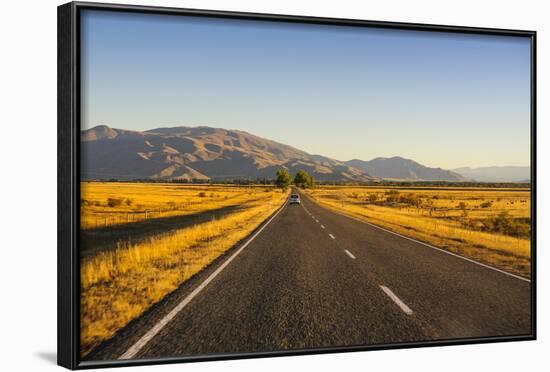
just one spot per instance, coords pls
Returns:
(237, 185)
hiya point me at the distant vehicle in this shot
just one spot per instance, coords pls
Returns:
(294, 199)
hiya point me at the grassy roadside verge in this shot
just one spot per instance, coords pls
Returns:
(508, 253)
(118, 286)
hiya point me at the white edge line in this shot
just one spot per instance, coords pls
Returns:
(403, 306)
(350, 254)
(428, 245)
(135, 348)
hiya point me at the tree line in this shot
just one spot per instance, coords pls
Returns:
(302, 179)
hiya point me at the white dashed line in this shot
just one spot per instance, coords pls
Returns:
(433, 247)
(332, 236)
(407, 310)
(350, 254)
(322, 226)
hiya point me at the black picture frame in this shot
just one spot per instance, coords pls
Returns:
(69, 176)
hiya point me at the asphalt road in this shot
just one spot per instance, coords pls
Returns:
(313, 278)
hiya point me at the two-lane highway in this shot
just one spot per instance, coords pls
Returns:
(313, 278)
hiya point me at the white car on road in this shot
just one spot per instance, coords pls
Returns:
(294, 199)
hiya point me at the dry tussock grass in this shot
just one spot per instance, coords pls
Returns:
(114, 203)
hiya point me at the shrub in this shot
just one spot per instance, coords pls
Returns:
(392, 196)
(410, 199)
(372, 198)
(114, 202)
(202, 194)
(462, 207)
(128, 202)
(487, 204)
(504, 224)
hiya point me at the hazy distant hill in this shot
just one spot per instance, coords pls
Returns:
(199, 153)
(398, 168)
(497, 174)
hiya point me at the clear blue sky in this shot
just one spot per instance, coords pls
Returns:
(444, 100)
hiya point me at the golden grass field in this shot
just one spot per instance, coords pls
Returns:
(107, 203)
(491, 225)
(119, 285)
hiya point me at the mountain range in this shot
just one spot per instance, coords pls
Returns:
(398, 168)
(496, 174)
(204, 153)
(199, 153)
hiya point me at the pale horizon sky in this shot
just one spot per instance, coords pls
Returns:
(444, 100)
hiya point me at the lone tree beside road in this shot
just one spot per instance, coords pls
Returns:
(303, 180)
(283, 179)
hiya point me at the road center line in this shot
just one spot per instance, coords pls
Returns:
(350, 254)
(407, 310)
(135, 348)
(332, 236)
(322, 226)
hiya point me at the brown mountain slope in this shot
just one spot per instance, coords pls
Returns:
(199, 153)
(398, 168)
